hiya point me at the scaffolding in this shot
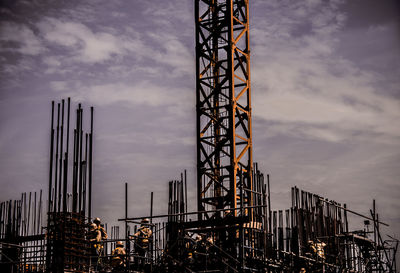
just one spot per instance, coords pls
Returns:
(234, 228)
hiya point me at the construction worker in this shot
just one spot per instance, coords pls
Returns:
(195, 250)
(143, 237)
(303, 270)
(318, 248)
(190, 247)
(94, 238)
(201, 244)
(104, 235)
(204, 242)
(118, 257)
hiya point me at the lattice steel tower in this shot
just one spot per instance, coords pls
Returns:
(223, 106)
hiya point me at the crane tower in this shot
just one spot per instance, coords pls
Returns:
(223, 106)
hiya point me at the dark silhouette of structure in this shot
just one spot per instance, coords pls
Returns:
(234, 228)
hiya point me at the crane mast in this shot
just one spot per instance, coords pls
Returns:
(223, 106)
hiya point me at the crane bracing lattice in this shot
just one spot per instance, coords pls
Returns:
(223, 106)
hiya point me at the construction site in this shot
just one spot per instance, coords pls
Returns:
(233, 228)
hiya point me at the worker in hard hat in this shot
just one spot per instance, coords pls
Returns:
(118, 257)
(97, 221)
(318, 248)
(143, 238)
(94, 238)
(190, 247)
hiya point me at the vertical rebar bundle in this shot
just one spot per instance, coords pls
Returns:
(68, 217)
(21, 233)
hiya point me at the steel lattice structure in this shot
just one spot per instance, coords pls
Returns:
(223, 105)
(236, 230)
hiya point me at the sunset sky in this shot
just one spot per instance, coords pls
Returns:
(325, 97)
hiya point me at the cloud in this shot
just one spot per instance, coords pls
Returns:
(85, 45)
(341, 103)
(173, 53)
(19, 38)
(306, 88)
(139, 93)
(77, 36)
(58, 85)
(144, 51)
(118, 14)
(161, 13)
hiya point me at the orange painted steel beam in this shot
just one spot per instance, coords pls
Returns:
(223, 106)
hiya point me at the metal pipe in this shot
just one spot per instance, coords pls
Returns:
(18, 220)
(90, 163)
(64, 197)
(151, 208)
(85, 175)
(128, 245)
(39, 213)
(182, 209)
(1, 220)
(376, 223)
(189, 213)
(265, 216)
(351, 211)
(61, 156)
(24, 198)
(29, 211)
(56, 170)
(269, 206)
(76, 158)
(80, 157)
(34, 215)
(65, 206)
(51, 154)
(241, 234)
(126, 210)
(373, 216)
(74, 171)
(13, 231)
(186, 200)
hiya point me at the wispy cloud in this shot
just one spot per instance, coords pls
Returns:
(137, 93)
(19, 38)
(302, 80)
(84, 44)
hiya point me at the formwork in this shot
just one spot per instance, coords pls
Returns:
(67, 247)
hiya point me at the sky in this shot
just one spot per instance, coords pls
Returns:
(325, 81)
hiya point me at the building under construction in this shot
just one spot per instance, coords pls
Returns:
(233, 229)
